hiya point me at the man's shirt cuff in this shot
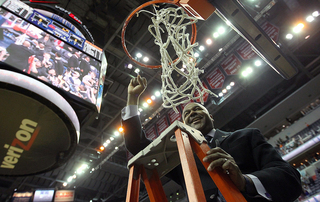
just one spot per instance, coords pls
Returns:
(259, 187)
(129, 111)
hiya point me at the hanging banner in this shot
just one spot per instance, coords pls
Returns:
(231, 65)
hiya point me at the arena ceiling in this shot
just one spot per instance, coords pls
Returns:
(254, 96)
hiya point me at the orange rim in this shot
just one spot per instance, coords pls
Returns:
(123, 33)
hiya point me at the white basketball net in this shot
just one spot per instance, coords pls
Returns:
(175, 21)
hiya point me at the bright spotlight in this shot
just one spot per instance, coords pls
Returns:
(137, 71)
(257, 63)
(289, 36)
(116, 148)
(224, 91)
(105, 144)
(158, 93)
(228, 87)
(298, 28)
(220, 94)
(232, 83)
(140, 109)
(108, 141)
(130, 66)
(139, 55)
(145, 59)
(247, 71)
(149, 101)
(120, 129)
(209, 41)
(310, 18)
(196, 55)
(111, 138)
(153, 97)
(315, 14)
(65, 184)
(221, 30)
(101, 148)
(145, 104)
(220, 49)
(69, 179)
(201, 48)
(215, 35)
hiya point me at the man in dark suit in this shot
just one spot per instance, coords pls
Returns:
(252, 164)
(19, 55)
(58, 65)
(84, 66)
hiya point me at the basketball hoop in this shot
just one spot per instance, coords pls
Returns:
(135, 12)
(174, 21)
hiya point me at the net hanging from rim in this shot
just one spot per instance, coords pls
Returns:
(175, 22)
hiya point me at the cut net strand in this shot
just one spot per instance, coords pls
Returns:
(175, 22)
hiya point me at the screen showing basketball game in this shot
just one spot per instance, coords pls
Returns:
(34, 51)
(43, 196)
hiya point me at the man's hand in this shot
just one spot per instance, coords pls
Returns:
(136, 87)
(217, 157)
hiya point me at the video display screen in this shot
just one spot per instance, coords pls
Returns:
(35, 52)
(43, 195)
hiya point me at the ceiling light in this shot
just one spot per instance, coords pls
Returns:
(182, 69)
(137, 71)
(215, 35)
(158, 93)
(116, 148)
(298, 28)
(220, 94)
(257, 63)
(209, 41)
(145, 104)
(108, 141)
(65, 184)
(105, 144)
(101, 148)
(315, 14)
(140, 109)
(139, 55)
(153, 97)
(111, 138)
(130, 66)
(220, 49)
(307, 37)
(201, 48)
(232, 83)
(310, 18)
(224, 91)
(69, 179)
(228, 87)
(289, 36)
(145, 59)
(247, 71)
(116, 133)
(149, 101)
(221, 30)
(196, 55)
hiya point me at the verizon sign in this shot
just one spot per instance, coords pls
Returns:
(37, 132)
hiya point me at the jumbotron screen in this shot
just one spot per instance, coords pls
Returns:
(54, 59)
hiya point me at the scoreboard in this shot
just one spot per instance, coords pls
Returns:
(64, 30)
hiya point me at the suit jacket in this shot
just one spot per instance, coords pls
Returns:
(251, 152)
(19, 56)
